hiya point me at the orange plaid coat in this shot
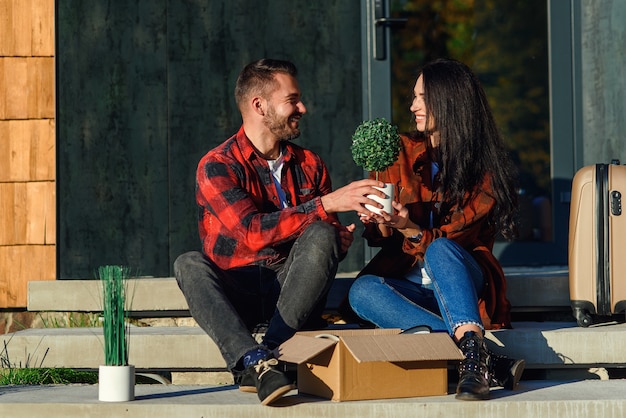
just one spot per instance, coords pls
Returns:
(469, 226)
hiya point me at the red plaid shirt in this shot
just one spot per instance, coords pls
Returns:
(240, 220)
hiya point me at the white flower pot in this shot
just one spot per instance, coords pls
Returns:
(116, 383)
(386, 202)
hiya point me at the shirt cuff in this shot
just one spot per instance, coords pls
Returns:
(315, 206)
(321, 212)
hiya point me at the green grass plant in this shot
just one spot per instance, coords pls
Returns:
(114, 312)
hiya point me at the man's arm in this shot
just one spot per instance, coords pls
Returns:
(229, 207)
(353, 197)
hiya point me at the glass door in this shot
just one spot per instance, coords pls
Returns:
(506, 43)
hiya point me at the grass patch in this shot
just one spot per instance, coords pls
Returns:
(14, 374)
(70, 320)
(45, 376)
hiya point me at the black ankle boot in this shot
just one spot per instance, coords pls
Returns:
(504, 371)
(473, 373)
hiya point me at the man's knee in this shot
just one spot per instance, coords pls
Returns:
(322, 228)
(183, 260)
(186, 263)
(321, 234)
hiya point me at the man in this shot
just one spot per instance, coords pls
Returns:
(270, 236)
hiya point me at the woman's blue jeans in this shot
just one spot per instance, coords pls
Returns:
(457, 280)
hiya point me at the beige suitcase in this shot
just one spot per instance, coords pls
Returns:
(597, 243)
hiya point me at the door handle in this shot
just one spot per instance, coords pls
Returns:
(381, 23)
(390, 21)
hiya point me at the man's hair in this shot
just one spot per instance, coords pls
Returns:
(258, 78)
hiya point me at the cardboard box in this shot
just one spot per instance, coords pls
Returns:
(346, 365)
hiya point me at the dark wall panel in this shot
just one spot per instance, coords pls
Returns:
(145, 88)
(112, 173)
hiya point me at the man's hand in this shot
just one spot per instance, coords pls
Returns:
(353, 196)
(346, 236)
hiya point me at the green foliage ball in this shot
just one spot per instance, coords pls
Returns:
(375, 144)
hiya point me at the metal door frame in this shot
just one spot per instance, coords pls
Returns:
(565, 120)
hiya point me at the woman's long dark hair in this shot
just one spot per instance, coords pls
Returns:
(470, 145)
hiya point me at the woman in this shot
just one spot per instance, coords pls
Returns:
(456, 190)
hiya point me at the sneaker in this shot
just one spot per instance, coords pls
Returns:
(247, 382)
(420, 329)
(270, 383)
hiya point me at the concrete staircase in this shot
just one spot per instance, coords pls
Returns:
(571, 371)
(548, 347)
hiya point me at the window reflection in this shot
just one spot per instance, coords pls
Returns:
(506, 44)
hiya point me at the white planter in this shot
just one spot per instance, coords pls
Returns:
(116, 383)
(386, 202)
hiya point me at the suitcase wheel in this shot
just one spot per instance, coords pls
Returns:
(582, 317)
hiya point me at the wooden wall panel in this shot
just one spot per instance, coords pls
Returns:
(8, 223)
(42, 24)
(14, 88)
(27, 147)
(10, 21)
(20, 264)
(27, 150)
(41, 82)
(26, 88)
(40, 213)
(28, 213)
(27, 28)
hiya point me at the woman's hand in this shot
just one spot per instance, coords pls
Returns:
(373, 218)
(398, 220)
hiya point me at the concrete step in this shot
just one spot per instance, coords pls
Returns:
(560, 399)
(544, 345)
(154, 348)
(529, 289)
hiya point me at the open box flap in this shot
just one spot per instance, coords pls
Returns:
(301, 348)
(351, 331)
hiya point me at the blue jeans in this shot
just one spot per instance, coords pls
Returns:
(228, 304)
(450, 302)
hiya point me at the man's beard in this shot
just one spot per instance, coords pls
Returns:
(280, 127)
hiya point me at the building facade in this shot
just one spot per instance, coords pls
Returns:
(106, 106)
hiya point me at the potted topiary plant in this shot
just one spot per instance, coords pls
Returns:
(116, 378)
(375, 147)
